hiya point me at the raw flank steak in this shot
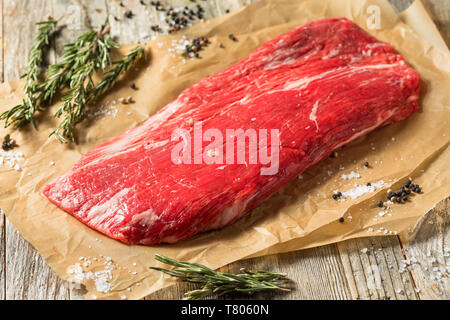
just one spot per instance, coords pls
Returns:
(322, 85)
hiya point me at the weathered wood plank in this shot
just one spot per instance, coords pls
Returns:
(400, 5)
(440, 11)
(372, 269)
(2, 256)
(19, 18)
(317, 273)
(427, 256)
(27, 275)
(76, 17)
(2, 216)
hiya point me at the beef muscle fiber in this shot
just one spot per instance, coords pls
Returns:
(322, 85)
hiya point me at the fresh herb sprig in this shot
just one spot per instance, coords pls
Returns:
(45, 30)
(23, 113)
(117, 69)
(91, 45)
(85, 91)
(215, 282)
(89, 54)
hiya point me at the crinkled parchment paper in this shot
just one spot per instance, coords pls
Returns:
(301, 215)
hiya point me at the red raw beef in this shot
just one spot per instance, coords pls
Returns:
(322, 85)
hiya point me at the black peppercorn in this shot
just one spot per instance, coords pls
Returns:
(408, 183)
(341, 220)
(129, 14)
(366, 164)
(380, 204)
(7, 143)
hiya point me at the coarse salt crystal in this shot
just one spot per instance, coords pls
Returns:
(361, 190)
(351, 175)
(11, 158)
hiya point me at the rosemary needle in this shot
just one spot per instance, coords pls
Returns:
(83, 91)
(23, 113)
(215, 282)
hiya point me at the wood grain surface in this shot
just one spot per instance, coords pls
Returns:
(367, 268)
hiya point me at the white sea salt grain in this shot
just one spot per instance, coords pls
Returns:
(351, 175)
(11, 158)
(364, 250)
(101, 277)
(360, 190)
(105, 110)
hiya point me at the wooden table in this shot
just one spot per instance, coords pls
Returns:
(368, 268)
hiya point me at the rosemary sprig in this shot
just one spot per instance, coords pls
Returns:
(119, 67)
(91, 45)
(76, 55)
(83, 91)
(45, 30)
(23, 113)
(215, 282)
